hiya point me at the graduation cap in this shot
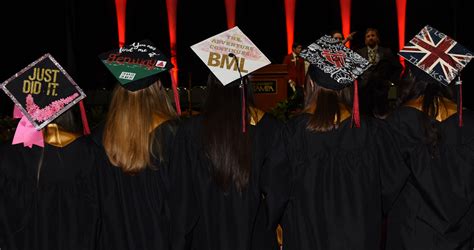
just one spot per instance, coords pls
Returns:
(136, 66)
(231, 55)
(335, 67)
(438, 56)
(42, 91)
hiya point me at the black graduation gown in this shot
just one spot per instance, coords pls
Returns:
(435, 210)
(341, 181)
(204, 217)
(134, 210)
(51, 208)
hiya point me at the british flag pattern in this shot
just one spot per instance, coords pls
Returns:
(437, 54)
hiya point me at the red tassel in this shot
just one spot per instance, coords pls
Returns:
(460, 102)
(355, 106)
(244, 113)
(85, 123)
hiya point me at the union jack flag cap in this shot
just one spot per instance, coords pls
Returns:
(437, 54)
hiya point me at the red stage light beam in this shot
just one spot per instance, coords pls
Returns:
(171, 6)
(121, 10)
(290, 22)
(230, 12)
(401, 16)
(345, 6)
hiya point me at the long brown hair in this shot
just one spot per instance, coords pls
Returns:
(226, 146)
(128, 134)
(324, 104)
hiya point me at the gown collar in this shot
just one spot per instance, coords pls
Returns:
(58, 137)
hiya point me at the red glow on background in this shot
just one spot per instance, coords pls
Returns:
(230, 11)
(171, 6)
(120, 8)
(346, 18)
(401, 15)
(290, 22)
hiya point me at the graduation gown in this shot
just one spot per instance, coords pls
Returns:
(133, 208)
(48, 196)
(435, 210)
(205, 217)
(341, 182)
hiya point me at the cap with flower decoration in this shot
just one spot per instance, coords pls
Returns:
(42, 91)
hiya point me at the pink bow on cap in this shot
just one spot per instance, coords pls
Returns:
(25, 132)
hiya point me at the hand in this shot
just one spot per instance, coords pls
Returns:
(292, 85)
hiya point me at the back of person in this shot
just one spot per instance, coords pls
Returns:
(435, 209)
(212, 210)
(49, 196)
(134, 147)
(134, 210)
(436, 138)
(346, 170)
(337, 187)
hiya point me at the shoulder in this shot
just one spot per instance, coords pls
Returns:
(297, 124)
(168, 126)
(268, 121)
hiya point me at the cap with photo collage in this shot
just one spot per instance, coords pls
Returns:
(41, 92)
(436, 56)
(231, 55)
(334, 66)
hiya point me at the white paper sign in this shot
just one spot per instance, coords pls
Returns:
(215, 51)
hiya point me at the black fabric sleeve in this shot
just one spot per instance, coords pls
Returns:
(275, 179)
(393, 171)
(182, 199)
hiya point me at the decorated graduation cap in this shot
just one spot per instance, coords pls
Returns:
(439, 56)
(228, 52)
(41, 92)
(136, 66)
(334, 66)
(231, 55)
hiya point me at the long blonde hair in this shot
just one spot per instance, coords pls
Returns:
(128, 133)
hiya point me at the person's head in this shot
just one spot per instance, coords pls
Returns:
(226, 146)
(337, 35)
(372, 38)
(417, 84)
(297, 47)
(68, 121)
(128, 133)
(324, 100)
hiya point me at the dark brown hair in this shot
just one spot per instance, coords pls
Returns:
(417, 84)
(227, 147)
(325, 103)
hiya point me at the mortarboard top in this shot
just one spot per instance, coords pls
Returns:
(436, 54)
(215, 53)
(333, 65)
(136, 66)
(42, 91)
